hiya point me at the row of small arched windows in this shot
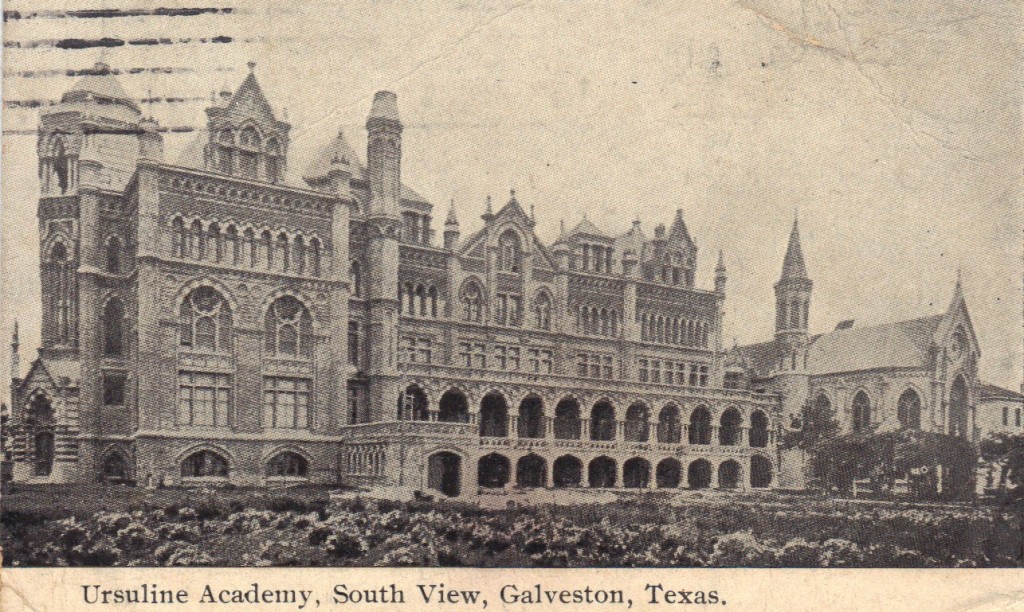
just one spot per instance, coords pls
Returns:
(209, 464)
(908, 410)
(278, 253)
(673, 330)
(594, 321)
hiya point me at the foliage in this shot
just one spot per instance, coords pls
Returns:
(885, 457)
(1007, 451)
(817, 423)
(764, 530)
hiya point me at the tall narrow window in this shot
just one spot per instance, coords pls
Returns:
(215, 242)
(267, 245)
(314, 257)
(114, 255)
(283, 255)
(289, 328)
(197, 240)
(249, 250)
(113, 328)
(178, 237)
(62, 296)
(542, 310)
(232, 249)
(472, 302)
(354, 279)
(353, 343)
(509, 252)
(274, 163)
(908, 410)
(861, 412)
(299, 255)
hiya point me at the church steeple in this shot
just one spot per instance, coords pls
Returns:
(793, 291)
(793, 266)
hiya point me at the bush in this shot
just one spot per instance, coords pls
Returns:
(798, 552)
(741, 549)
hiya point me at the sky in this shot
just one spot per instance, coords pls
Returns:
(893, 131)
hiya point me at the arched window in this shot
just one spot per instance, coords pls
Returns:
(509, 252)
(421, 300)
(114, 255)
(288, 464)
(114, 466)
(794, 314)
(861, 412)
(197, 241)
(40, 409)
(226, 137)
(178, 239)
(314, 257)
(233, 247)
(250, 138)
(249, 250)
(205, 321)
(908, 410)
(283, 254)
(472, 302)
(113, 328)
(299, 255)
(289, 328)
(354, 279)
(204, 464)
(432, 296)
(61, 275)
(216, 242)
(542, 310)
(267, 245)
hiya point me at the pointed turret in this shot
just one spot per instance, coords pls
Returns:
(451, 228)
(793, 291)
(720, 273)
(15, 357)
(679, 232)
(337, 156)
(793, 264)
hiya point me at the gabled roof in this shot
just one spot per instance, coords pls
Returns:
(249, 93)
(904, 344)
(585, 228)
(988, 391)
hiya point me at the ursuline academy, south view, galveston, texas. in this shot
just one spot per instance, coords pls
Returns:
(227, 318)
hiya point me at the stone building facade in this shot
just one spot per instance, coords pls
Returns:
(224, 318)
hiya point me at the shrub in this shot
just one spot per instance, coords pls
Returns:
(837, 552)
(798, 552)
(740, 549)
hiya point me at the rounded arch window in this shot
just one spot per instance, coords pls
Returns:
(288, 464)
(204, 464)
(205, 320)
(289, 328)
(250, 138)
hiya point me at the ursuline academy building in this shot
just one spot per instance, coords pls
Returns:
(220, 319)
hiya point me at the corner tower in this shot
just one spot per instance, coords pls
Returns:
(384, 162)
(792, 306)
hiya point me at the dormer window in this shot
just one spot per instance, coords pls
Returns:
(509, 254)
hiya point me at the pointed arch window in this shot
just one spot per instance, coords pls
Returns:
(472, 302)
(908, 410)
(299, 255)
(113, 328)
(289, 328)
(861, 412)
(283, 252)
(196, 240)
(233, 248)
(62, 295)
(205, 321)
(249, 248)
(216, 242)
(314, 257)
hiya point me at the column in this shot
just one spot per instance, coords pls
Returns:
(714, 476)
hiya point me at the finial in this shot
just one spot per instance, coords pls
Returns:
(252, 66)
(14, 336)
(512, 195)
(561, 227)
(533, 216)
(721, 260)
(490, 209)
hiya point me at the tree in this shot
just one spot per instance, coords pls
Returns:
(1006, 451)
(816, 424)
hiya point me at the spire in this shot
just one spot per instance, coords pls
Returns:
(15, 343)
(561, 227)
(489, 210)
(720, 273)
(15, 357)
(793, 265)
(721, 262)
(679, 230)
(451, 220)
